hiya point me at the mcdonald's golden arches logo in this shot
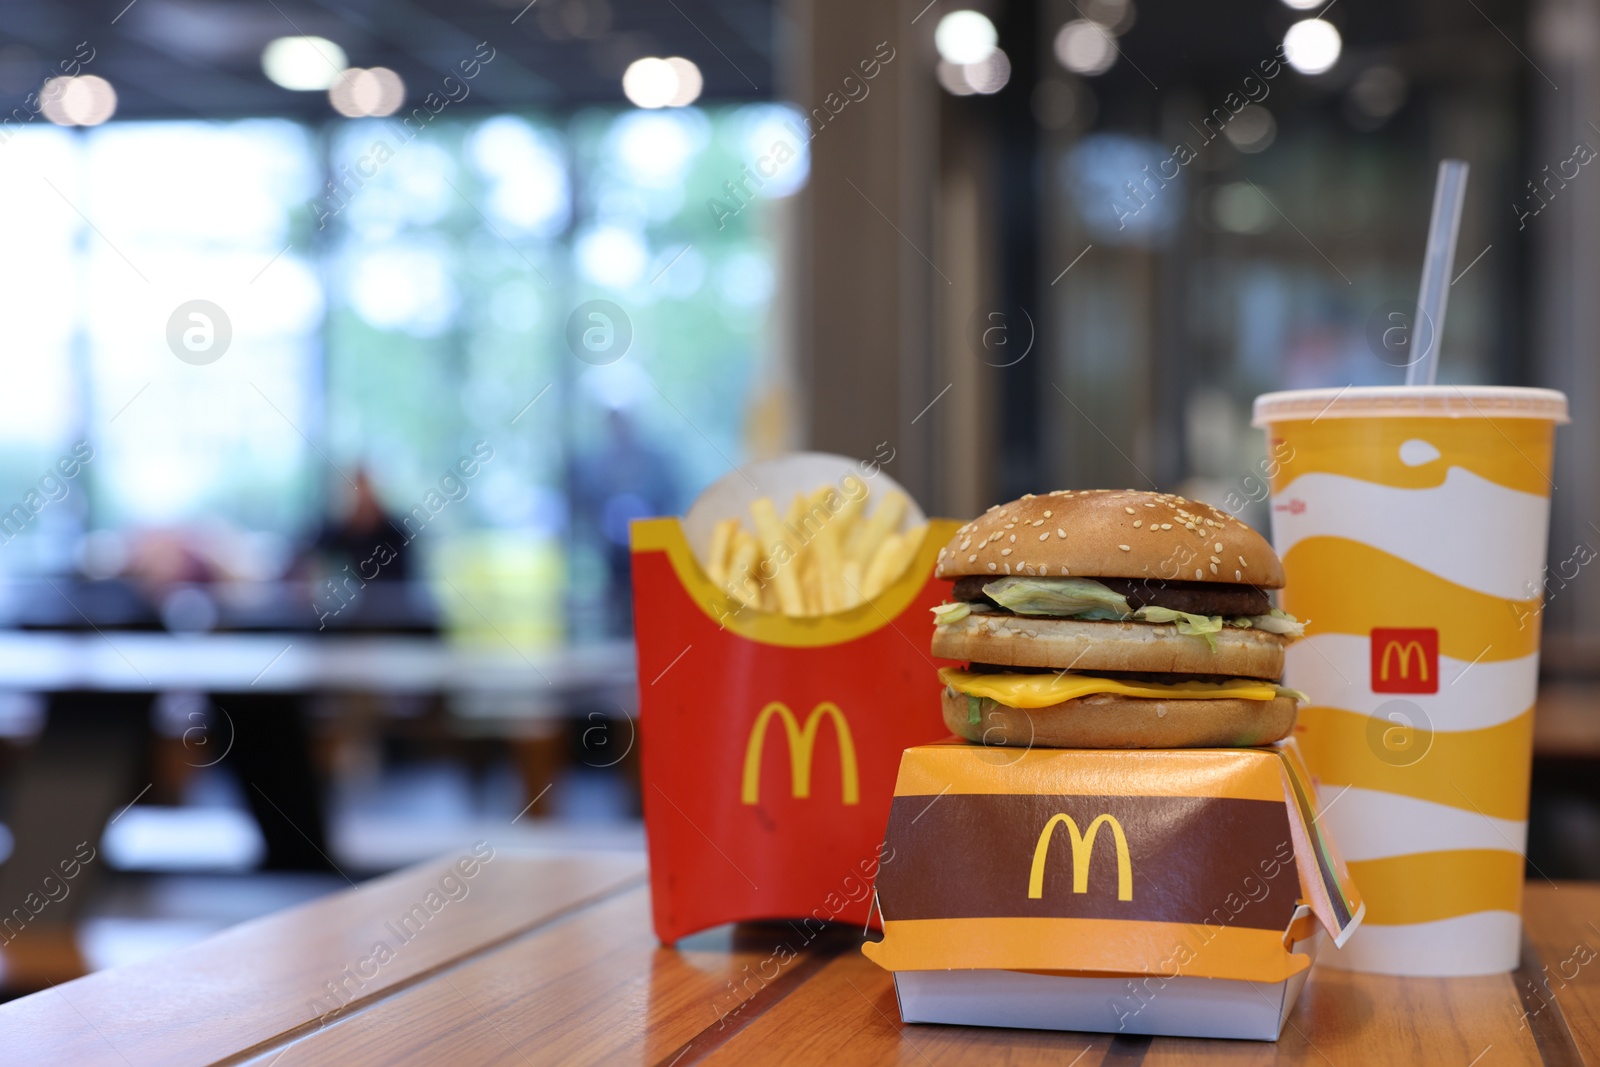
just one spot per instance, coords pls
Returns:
(1405, 660)
(802, 746)
(1082, 853)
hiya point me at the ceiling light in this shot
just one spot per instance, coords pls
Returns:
(964, 37)
(1084, 47)
(1252, 129)
(650, 82)
(988, 75)
(689, 81)
(654, 82)
(303, 63)
(953, 77)
(374, 92)
(1312, 46)
(83, 101)
(1302, 5)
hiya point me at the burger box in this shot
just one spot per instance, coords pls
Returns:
(1173, 892)
(768, 743)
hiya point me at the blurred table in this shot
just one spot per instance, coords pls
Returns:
(133, 661)
(552, 961)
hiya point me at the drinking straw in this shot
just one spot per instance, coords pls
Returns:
(1434, 294)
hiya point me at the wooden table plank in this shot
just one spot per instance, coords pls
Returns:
(596, 988)
(847, 1015)
(1563, 922)
(1344, 1018)
(263, 979)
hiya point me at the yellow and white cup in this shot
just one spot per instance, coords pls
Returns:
(1412, 523)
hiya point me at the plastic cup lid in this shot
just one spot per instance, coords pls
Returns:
(1411, 401)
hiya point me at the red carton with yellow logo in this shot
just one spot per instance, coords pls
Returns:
(769, 743)
(1142, 892)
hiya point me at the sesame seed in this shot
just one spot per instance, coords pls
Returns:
(1065, 571)
(1216, 559)
(1213, 568)
(1011, 526)
(1045, 536)
(1149, 505)
(1013, 537)
(1126, 548)
(972, 558)
(1188, 526)
(1038, 522)
(1128, 510)
(1043, 569)
(1047, 514)
(1008, 568)
(1137, 523)
(965, 543)
(1242, 563)
(1166, 526)
(1198, 573)
(1219, 546)
(1238, 577)
(1060, 532)
(1005, 552)
(991, 566)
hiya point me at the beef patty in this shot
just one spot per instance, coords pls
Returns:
(1196, 598)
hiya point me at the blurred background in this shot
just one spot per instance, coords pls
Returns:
(344, 339)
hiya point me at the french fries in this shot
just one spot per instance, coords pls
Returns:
(817, 559)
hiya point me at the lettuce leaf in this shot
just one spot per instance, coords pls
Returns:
(945, 614)
(1206, 626)
(1279, 622)
(1082, 598)
(974, 710)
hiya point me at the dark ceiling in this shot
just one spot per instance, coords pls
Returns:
(202, 58)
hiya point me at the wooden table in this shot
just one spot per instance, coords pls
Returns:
(552, 961)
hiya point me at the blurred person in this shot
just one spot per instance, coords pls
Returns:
(625, 478)
(361, 568)
(353, 539)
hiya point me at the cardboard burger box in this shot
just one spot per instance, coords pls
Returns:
(769, 743)
(1175, 892)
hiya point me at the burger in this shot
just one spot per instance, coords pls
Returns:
(1113, 619)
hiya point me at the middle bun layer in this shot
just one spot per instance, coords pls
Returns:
(1076, 644)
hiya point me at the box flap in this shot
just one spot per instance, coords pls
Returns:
(1324, 880)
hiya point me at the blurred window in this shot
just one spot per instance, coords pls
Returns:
(389, 298)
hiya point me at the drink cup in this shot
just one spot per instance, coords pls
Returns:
(1412, 523)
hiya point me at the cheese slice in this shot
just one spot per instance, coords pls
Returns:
(1043, 690)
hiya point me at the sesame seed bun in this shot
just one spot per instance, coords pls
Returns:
(1111, 533)
(1107, 720)
(1076, 644)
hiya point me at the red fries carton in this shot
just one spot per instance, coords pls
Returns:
(769, 743)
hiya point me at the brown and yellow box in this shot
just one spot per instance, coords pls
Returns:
(1144, 892)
